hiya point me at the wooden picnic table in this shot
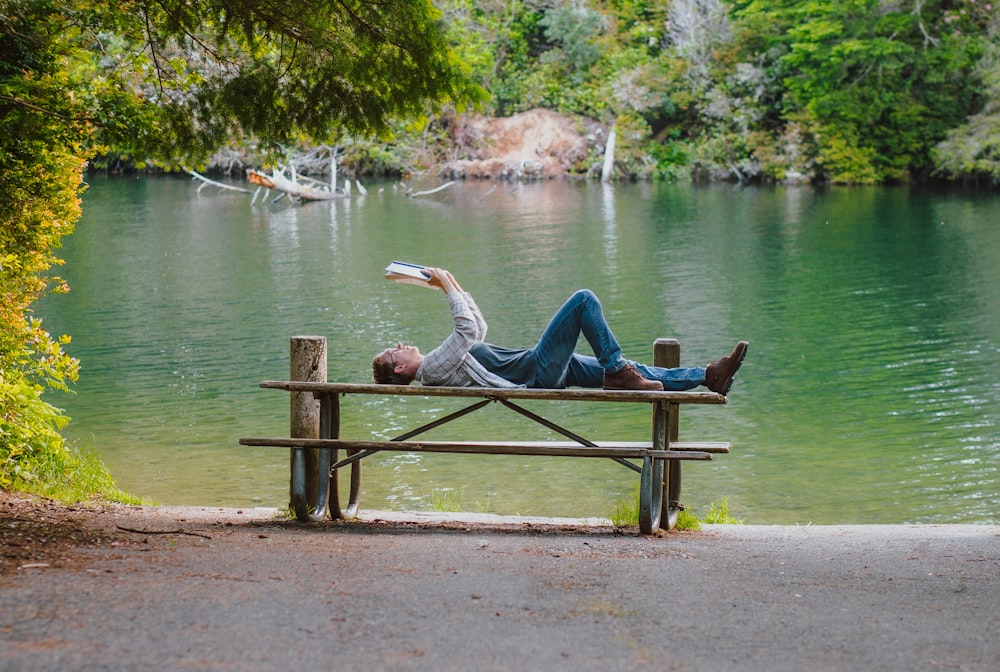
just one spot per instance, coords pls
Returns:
(316, 443)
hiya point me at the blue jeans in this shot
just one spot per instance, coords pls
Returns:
(557, 365)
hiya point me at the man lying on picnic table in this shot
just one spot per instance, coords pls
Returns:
(465, 360)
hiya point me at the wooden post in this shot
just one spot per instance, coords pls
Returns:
(667, 353)
(307, 363)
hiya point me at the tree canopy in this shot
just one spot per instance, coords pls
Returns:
(174, 79)
(171, 80)
(844, 91)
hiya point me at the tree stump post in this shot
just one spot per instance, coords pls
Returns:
(667, 353)
(307, 363)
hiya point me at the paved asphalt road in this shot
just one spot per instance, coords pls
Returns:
(210, 589)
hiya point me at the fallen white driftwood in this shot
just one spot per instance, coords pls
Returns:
(430, 191)
(304, 188)
(277, 181)
(205, 182)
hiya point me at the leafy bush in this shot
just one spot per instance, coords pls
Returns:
(40, 178)
(171, 81)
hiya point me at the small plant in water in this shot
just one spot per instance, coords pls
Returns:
(446, 501)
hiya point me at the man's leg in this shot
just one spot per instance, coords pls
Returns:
(586, 371)
(675, 380)
(581, 314)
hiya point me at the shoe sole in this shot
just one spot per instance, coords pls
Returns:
(740, 355)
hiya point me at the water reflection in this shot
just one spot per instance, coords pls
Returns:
(869, 395)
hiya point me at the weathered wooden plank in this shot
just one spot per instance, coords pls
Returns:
(542, 448)
(571, 394)
(718, 447)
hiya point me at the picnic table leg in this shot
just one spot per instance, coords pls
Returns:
(651, 485)
(309, 486)
(667, 353)
(330, 429)
(672, 494)
(309, 504)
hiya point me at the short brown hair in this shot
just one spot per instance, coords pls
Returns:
(384, 373)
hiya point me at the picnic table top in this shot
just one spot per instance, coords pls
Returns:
(570, 394)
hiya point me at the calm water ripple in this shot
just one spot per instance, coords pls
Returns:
(870, 394)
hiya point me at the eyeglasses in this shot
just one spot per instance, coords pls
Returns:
(392, 360)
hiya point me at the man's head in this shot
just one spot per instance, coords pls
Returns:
(397, 365)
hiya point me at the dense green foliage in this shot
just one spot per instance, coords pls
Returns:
(169, 80)
(843, 91)
(974, 147)
(39, 180)
(172, 80)
(847, 91)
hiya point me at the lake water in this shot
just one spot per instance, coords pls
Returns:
(870, 393)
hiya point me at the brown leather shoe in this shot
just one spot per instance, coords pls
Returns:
(629, 379)
(719, 374)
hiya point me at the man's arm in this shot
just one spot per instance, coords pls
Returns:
(441, 365)
(443, 279)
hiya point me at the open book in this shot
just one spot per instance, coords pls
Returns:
(412, 274)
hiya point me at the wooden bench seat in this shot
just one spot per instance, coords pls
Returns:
(622, 449)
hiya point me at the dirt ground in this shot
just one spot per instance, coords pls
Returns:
(38, 533)
(122, 588)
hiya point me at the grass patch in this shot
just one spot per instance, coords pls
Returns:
(626, 514)
(687, 521)
(75, 476)
(626, 511)
(718, 514)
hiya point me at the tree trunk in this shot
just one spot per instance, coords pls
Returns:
(609, 156)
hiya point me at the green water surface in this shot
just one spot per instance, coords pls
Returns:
(870, 394)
